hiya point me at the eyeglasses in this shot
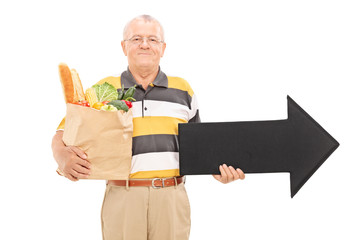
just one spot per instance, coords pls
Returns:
(137, 40)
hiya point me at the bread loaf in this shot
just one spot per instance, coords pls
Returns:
(71, 84)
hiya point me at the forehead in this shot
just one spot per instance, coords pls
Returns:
(144, 28)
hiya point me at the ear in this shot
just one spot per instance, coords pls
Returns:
(163, 49)
(123, 45)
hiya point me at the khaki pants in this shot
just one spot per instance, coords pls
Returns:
(145, 213)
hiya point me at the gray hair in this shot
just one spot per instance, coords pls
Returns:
(146, 18)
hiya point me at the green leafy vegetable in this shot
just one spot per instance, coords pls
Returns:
(105, 92)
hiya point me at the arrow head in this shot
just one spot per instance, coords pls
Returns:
(311, 143)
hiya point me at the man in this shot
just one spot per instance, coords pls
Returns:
(153, 204)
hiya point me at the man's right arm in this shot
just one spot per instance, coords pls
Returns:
(71, 160)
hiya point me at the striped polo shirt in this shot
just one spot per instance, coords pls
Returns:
(157, 111)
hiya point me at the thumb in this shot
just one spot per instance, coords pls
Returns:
(78, 152)
(217, 177)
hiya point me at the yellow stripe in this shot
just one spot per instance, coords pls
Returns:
(180, 83)
(156, 125)
(61, 125)
(115, 81)
(156, 174)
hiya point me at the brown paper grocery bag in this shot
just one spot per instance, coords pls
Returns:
(105, 136)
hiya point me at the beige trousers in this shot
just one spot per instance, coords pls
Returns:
(145, 213)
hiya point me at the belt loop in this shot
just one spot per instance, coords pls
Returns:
(175, 179)
(127, 184)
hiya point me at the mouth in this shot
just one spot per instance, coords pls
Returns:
(146, 54)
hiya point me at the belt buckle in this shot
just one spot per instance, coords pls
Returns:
(153, 183)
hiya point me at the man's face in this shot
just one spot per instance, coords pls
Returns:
(145, 53)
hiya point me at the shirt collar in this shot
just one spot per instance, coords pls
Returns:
(128, 80)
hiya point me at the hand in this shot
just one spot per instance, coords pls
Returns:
(229, 174)
(71, 160)
(73, 163)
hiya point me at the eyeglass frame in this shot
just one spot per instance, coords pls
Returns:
(143, 40)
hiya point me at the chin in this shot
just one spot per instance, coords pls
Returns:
(145, 64)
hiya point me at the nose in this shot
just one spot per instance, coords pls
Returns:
(144, 43)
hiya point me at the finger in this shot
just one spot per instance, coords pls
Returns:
(81, 169)
(228, 173)
(241, 173)
(78, 152)
(71, 177)
(84, 163)
(224, 177)
(234, 173)
(78, 175)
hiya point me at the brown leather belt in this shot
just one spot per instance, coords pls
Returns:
(155, 182)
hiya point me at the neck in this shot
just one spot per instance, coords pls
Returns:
(144, 76)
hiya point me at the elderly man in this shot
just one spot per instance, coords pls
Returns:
(153, 204)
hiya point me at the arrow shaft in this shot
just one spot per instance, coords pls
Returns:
(259, 145)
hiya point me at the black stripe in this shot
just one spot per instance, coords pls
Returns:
(196, 118)
(155, 143)
(164, 94)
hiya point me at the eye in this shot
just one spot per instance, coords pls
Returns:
(136, 39)
(153, 40)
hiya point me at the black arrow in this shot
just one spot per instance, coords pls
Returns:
(298, 145)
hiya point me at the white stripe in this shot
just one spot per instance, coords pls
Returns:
(155, 161)
(137, 109)
(161, 109)
(194, 107)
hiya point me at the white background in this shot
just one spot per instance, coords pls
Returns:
(242, 58)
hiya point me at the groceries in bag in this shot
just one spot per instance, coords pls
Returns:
(99, 122)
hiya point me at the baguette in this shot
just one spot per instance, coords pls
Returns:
(79, 91)
(71, 84)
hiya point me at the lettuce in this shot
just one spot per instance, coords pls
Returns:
(105, 92)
